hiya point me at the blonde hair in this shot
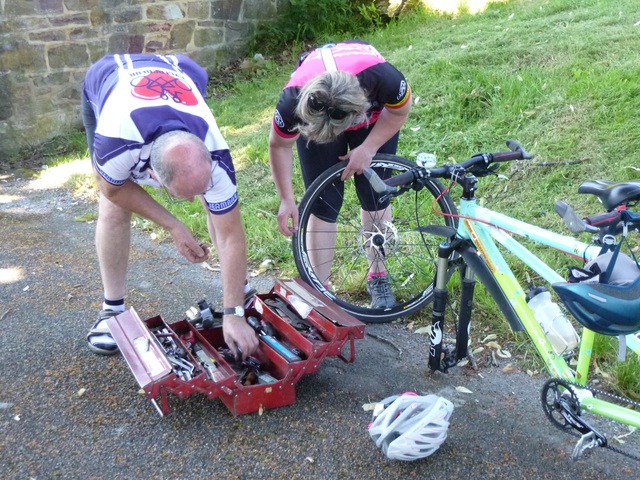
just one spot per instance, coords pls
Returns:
(333, 91)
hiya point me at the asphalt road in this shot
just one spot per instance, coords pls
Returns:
(68, 413)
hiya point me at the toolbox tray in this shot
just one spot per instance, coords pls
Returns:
(302, 320)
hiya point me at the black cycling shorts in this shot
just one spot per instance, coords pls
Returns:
(316, 158)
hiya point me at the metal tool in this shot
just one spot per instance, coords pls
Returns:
(294, 319)
(209, 364)
(270, 340)
(204, 316)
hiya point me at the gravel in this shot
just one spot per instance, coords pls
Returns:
(68, 413)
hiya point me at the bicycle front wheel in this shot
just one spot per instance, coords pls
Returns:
(336, 258)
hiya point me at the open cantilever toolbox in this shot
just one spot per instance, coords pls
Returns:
(300, 329)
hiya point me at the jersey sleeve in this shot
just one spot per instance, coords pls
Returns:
(285, 120)
(222, 195)
(386, 85)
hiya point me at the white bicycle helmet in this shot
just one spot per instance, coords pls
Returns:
(408, 426)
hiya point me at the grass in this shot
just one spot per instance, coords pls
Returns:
(561, 76)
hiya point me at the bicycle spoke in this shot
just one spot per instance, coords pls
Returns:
(387, 240)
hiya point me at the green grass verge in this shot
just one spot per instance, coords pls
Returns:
(561, 76)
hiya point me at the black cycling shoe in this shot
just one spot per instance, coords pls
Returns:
(381, 295)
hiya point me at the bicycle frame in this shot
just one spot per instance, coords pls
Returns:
(487, 229)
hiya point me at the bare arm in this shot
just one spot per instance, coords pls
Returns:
(231, 245)
(281, 162)
(388, 124)
(132, 197)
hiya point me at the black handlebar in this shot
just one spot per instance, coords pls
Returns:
(454, 172)
(602, 220)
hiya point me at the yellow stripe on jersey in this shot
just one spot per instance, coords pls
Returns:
(402, 102)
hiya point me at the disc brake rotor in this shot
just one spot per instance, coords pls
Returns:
(380, 241)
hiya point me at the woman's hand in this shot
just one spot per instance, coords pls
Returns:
(359, 158)
(288, 218)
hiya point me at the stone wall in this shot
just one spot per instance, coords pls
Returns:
(46, 47)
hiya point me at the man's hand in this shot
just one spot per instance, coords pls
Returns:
(239, 336)
(189, 248)
(288, 211)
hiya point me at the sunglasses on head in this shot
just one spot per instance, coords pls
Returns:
(333, 112)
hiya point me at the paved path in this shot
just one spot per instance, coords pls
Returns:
(49, 294)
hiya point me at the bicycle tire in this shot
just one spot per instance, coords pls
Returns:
(410, 254)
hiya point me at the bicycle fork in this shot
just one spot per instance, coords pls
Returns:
(439, 358)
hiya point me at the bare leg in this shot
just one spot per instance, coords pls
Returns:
(113, 239)
(375, 227)
(321, 247)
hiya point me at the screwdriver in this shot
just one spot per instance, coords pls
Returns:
(270, 340)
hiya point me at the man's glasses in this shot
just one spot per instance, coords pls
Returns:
(180, 199)
(334, 112)
(172, 199)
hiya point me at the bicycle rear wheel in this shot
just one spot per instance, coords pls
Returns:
(409, 252)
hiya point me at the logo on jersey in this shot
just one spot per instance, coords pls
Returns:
(278, 119)
(403, 90)
(162, 85)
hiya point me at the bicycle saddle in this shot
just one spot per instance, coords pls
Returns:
(612, 194)
(604, 308)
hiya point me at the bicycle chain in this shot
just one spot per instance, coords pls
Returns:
(621, 400)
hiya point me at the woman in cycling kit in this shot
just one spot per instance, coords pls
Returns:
(344, 102)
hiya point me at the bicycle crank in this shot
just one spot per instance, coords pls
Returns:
(562, 407)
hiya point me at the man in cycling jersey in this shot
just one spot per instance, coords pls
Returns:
(344, 102)
(147, 123)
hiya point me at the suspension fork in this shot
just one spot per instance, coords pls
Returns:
(438, 361)
(466, 305)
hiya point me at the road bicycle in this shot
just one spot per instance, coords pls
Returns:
(430, 246)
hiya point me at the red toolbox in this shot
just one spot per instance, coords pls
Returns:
(183, 358)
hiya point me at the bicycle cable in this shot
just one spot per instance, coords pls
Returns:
(619, 399)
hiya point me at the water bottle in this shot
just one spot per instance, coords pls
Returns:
(426, 160)
(554, 323)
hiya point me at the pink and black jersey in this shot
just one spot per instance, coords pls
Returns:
(384, 84)
(137, 98)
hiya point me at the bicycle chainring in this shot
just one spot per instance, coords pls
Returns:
(560, 404)
(562, 407)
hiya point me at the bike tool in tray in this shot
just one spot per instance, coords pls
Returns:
(297, 328)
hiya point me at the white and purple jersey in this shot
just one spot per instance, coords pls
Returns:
(138, 97)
